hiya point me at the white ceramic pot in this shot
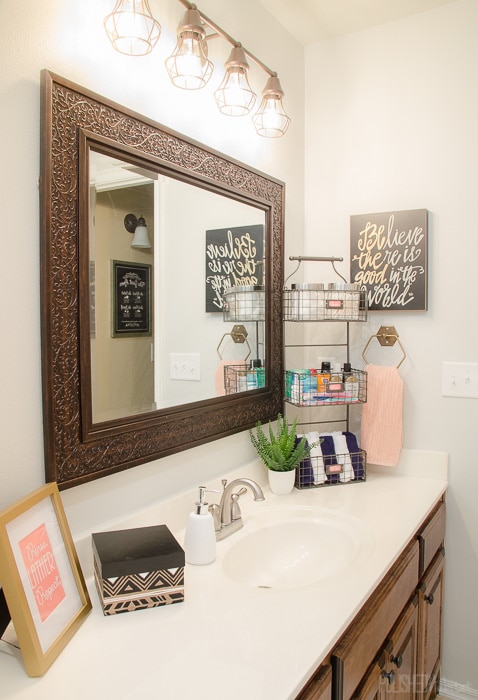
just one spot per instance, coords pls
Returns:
(281, 483)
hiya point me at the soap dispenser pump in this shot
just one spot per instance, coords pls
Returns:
(200, 537)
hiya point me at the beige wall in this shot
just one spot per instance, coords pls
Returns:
(391, 124)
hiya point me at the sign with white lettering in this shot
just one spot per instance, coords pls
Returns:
(388, 258)
(131, 314)
(234, 257)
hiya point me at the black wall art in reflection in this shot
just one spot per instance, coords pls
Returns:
(131, 299)
(234, 257)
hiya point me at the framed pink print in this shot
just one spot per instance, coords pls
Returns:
(41, 577)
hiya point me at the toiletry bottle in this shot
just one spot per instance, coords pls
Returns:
(323, 378)
(308, 379)
(351, 382)
(255, 375)
(200, 537)
(336, 382)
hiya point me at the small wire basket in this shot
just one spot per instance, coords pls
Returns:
(244, 303)
(239, 378)
(331, 470)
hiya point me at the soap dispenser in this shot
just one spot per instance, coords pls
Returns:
(200, 537)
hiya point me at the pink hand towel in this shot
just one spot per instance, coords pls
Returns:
(382, 430)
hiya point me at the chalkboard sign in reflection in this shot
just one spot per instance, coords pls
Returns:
(234, 257)
(388, 258)
(131, 299)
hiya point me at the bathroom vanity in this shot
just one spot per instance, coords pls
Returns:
(393, 645)
(358, 616)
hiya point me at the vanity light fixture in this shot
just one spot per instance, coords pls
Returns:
(131, 28)
(140, 230)
(234, 96)
(270, 119)
(190, 68)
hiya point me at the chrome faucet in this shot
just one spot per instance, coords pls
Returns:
(227, 515)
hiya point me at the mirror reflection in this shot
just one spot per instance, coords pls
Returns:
(179, 321)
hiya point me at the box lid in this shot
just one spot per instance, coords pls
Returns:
(137, 550)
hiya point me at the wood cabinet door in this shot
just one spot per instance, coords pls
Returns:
(365, 637)
(372, 686)
(400, 670)
(430, 600)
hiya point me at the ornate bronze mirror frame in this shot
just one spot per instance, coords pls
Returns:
(77, 451)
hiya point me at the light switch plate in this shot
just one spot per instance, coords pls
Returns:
(460, 379)
(185, 366)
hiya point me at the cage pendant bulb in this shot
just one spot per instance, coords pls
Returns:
(234, 96)
(271, 120)
(131, 27)
(188, 66)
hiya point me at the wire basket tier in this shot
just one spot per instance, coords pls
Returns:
(308, 388)
(239, 378)
(331, 470)
(311, 302)
(244, 303)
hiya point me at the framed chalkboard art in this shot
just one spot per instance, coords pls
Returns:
(389, 259)
(131, 297)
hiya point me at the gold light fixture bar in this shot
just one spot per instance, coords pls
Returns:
(132, 30)
(270, 120)
(228, 37)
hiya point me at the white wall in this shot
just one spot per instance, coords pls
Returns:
(391, 124)
(67, 37)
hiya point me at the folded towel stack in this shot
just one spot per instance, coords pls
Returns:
(335, 458)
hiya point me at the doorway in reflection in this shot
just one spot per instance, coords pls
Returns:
(134, 373)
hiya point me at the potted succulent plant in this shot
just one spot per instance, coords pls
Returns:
(281, 451)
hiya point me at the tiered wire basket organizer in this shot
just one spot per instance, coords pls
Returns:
(324, 405)
(245, 305)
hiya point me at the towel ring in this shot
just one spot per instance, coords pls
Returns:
(239, 335)
(386, 336)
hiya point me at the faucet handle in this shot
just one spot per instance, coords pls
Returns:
(235, 508)
(216, 516)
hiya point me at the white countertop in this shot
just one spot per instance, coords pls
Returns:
(226, 639)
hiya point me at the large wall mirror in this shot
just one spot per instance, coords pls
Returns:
(155, 346)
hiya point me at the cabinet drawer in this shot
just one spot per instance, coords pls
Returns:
(431, 537)
(358, 647)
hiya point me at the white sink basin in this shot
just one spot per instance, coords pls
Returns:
(294, 547)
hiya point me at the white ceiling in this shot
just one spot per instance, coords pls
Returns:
(310, 21)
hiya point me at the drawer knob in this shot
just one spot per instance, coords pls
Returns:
(429, 599)
(397, 660)
(390, 676)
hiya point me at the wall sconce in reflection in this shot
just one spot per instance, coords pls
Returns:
(139, 229)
